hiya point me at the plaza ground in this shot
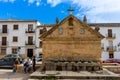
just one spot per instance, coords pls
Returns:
(7, 74)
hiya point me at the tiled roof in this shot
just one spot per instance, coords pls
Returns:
(46, 25)
(105, 24)
(90, 24)
(17, 20)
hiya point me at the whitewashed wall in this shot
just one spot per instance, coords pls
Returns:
(104, 31)
(22, 36)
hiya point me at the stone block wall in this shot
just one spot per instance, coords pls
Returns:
(72, 49)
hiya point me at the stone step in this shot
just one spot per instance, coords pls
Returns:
(64, 75)
(34, 79)
(5, 67)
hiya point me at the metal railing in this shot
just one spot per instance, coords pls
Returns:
(4, 43)
(4, 31)
(111, 48)
(110, 35)
(29, 31)
(30, 42)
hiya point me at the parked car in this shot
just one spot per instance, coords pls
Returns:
(9, 60)
(112, 61)
(39, 58)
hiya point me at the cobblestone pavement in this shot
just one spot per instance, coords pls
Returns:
(6, 74)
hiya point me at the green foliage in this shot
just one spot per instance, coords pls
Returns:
(50, 78)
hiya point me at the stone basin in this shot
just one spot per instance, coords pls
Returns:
(84, 75)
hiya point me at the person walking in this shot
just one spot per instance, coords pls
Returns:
(33, 63)
(29, 65)
(25, 63)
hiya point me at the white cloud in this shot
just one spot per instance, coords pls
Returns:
(5, 0)
(54, 2)
(37, 2)
(31, 1)
(12, 1)
(99, 9)
(96, 10)
(99, 6)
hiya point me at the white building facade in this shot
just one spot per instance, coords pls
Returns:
(111, 43)
(19, 37)
(22, 37)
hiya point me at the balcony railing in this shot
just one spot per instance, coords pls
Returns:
(29, 31)
(110, 36)
(30, 42)
(4, 43)
(111, 48)
(4, 31)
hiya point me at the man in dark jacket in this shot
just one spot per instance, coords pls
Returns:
(34, 63)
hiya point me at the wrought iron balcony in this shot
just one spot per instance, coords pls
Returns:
(29, 31)
(4, 43)
(4, 31)
(110, 36)
(111, 48)
(30, 42)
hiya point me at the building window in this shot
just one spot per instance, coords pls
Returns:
(111, 56)
(15, 27)
(109, 32)
(4, 29)
(14, 50)
(30, 40)
(3, 50)
(82, 31)
(4, 40)
(15, 39)
(41, 31)
(30, 27)
(40, 44)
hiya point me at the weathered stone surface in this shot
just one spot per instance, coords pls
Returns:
(72, 43)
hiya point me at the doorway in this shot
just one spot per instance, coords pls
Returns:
(111, 55)
(29, 53)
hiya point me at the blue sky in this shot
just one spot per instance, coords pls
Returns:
(46, 11)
